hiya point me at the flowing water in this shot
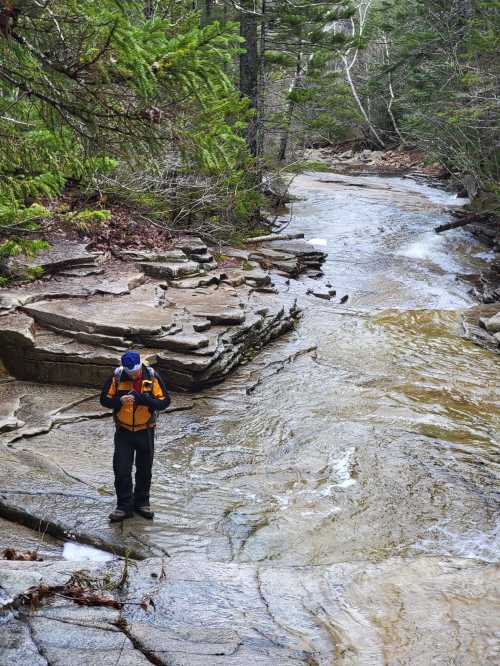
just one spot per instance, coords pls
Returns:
(359, 451)
(382, 442)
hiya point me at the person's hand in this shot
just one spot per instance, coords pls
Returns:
(138, 398)
(127, 399)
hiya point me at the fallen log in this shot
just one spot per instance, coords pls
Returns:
(274, 237)
(466, 219)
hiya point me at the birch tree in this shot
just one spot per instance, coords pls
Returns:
(357, 28)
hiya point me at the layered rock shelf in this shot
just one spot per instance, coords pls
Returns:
(482, 325)
(194, 314)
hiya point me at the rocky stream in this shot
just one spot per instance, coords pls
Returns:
(333, 501)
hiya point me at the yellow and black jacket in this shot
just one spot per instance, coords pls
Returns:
(140, 414)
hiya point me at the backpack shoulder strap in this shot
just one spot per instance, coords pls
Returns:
(117, 374)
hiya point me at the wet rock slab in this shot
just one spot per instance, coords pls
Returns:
(61, 633)
(21, 538)
(56, 478)
(196, 612)
(38, 493)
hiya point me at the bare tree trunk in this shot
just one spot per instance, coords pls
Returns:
(261, 85)
(362, 17)
(465, 8)
(207, 12)
(391, 94)
(360, 105)
(249, 67)
(291, 105)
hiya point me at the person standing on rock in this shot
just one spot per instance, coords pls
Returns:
(135, 393)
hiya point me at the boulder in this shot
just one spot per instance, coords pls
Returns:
(257, 277)
(17, 330)
(191, 245)
(492, 324)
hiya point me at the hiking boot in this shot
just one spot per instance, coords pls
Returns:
(145, 512)
(118, 515)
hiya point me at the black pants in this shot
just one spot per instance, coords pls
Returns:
(128, 444)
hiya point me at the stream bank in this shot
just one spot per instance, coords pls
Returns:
(194, 318)
(334, 501)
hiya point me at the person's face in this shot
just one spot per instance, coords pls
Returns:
(135, 375)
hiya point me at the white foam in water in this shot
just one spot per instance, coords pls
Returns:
(421, 248)
(342, 469)
(488, 255)
(78, 552)
(474, 544)
(317, 241)
(429, 246)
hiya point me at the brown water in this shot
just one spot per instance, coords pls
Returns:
(381, 442)
(352, 467)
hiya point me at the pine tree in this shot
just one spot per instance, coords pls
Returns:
(286, 41)
(85, 86)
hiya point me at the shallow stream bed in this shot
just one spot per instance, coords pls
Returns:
(353, 466)
(383, 440)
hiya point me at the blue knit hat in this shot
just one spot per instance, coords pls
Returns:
(131, 361)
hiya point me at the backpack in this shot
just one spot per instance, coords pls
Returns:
(117, 374)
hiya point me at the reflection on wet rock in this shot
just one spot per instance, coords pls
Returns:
(334, 501)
